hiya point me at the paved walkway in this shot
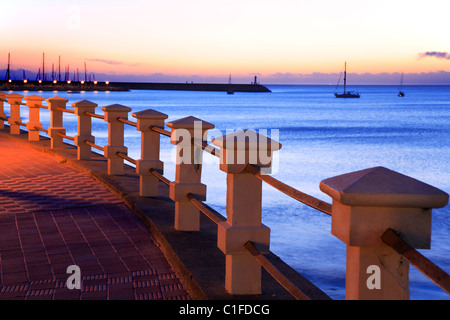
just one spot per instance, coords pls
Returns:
(53, 216)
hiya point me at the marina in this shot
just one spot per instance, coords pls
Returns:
(76, 82)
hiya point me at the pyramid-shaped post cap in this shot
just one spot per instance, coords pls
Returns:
(246, 140)
(149, 114)
(57, 99)
(84, 106)
(381, 187)
(3, 96)
(190, 123)
(14, 95)
(84, 103)
(116, 108)
(34, 97)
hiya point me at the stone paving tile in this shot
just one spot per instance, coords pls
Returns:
(52, 216)
(31, 194)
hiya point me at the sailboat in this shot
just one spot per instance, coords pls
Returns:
(346, 94)
(400, 92)
(230, 90)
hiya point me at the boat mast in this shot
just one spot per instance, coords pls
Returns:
(43, 66)
(345, 76)
(8, 75)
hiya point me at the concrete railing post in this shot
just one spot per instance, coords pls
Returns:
(116, 137)
(188, 172)
(84, 128)
(244, 196)
(34, 103)
(365, 204)
(150, 147)
(14, 100)
(2, 110)
(56, 121)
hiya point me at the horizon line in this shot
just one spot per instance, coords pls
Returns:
(440, 77)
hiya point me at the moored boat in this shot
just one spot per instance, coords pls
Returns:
(346, 94)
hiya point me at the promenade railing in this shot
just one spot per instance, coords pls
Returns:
(382, 216)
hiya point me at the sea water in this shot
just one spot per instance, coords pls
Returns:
(321, 137)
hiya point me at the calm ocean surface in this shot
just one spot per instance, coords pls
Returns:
(322, 137)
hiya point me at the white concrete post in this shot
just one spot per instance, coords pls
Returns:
(34, 103)
(365, 204)
(150, 147)
(2, 110)
(116, 138)
(188, 172)
(56, 121)
(84, 128)
(244, 195)
(14, 100)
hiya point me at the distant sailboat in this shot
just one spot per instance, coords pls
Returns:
(346, 94)
(229, 90)
(400, 92)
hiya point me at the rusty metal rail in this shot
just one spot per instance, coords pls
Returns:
(94, 115)
(209, 148)
(41, 129)
(65, 137)
(160, 131)
(275, 273)
(212, 214)
(66, 110)
(160, 176)
(125, 157)
(126, 121)
(93, 145)
(20, 123)
(292, 192)
(428, 268)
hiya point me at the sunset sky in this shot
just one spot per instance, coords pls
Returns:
(217, 38)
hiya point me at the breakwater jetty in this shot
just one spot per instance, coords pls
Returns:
(189, 86)
(126, 86)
